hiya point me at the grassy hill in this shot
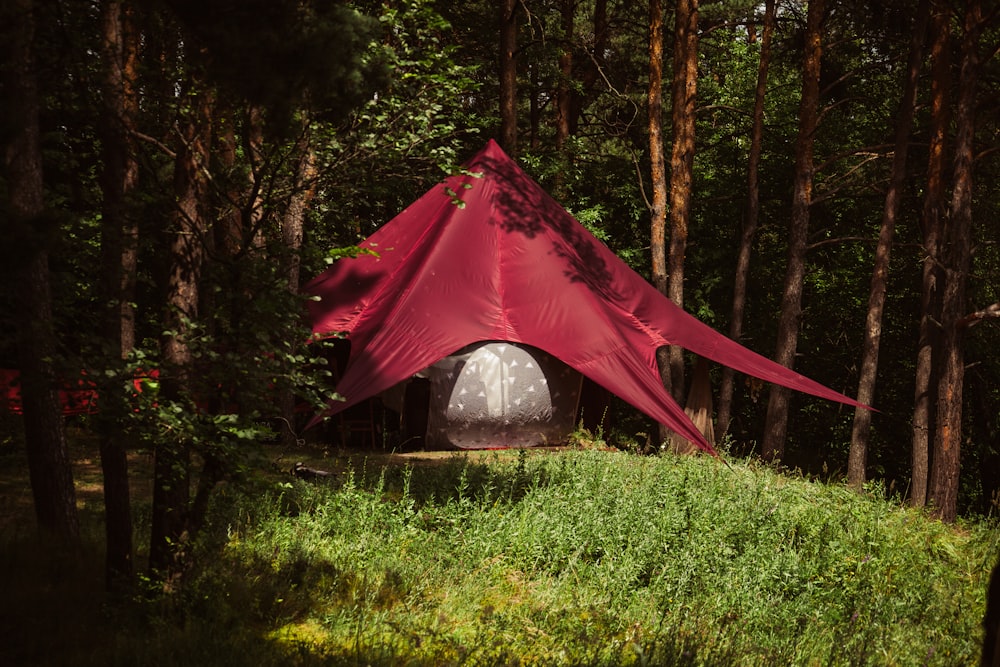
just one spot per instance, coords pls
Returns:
(578, 557)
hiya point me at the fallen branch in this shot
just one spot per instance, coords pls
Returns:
(302, 471)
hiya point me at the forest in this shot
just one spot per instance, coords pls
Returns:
(812, 179)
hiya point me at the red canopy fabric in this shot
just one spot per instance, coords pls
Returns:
(76, 399)
(489, 255)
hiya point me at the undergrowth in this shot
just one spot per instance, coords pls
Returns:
(570, 558)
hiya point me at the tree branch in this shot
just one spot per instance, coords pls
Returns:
(857, 239)
(169, 152)
(972, 319)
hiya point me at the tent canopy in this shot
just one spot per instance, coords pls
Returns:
(488, 255)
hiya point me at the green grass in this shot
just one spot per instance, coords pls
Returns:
(562, 558)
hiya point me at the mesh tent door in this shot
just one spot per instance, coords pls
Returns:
(500, 394)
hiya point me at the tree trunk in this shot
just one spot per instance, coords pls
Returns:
(752, 216)
(564, 91)
(684, 89)
(776, 424)
(292, 225)
(304, 189)
(858, 455)
(119, 241)
(932, 280)
(698, 408)
(534, 108)
(171, 483)
(590, 70)
(957, 257)
(237, 231)
(579, 75)
(508, 76)
(252, 213)
(658, 175)
(45, 438)
(991, 621)
(229, 234)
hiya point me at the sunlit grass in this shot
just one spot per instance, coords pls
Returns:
(576, 557)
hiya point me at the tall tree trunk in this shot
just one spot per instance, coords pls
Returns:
(119, 241)
(508, 76)
(172, 482)
(534, 108)
(228, 230)
(253, 209)
(658, 175)
(698, 408)
(45, 438)
(238, 230)
(564, 91)
(858, 455)
(684, 94)
(776, 424)
(957, 258)
(932, 279)
(578, 76)
(233, 231)
(752, 218)
(304, 189)
(590, 69)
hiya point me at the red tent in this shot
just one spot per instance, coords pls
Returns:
(489, 256)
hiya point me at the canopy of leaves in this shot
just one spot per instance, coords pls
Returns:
(282, 54)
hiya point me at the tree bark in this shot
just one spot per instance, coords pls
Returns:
(590, 69)
(172, 475)
(776, 424)
(932, 280)
(752, 218)
(534, 108)
(508, 76)
(564, 91)
(252, 213)
(119, 249)
(698, 408)
(658, 175)
(45, 438)
(991, 621)
(684, 95)
(229, 236)
(957, 257)
(858, 454)
(990, 312)
(304, 189)
(578, 76)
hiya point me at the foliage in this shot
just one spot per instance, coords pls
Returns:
(254, 346)
(579, 557)
(397, 143)
(301, 53)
